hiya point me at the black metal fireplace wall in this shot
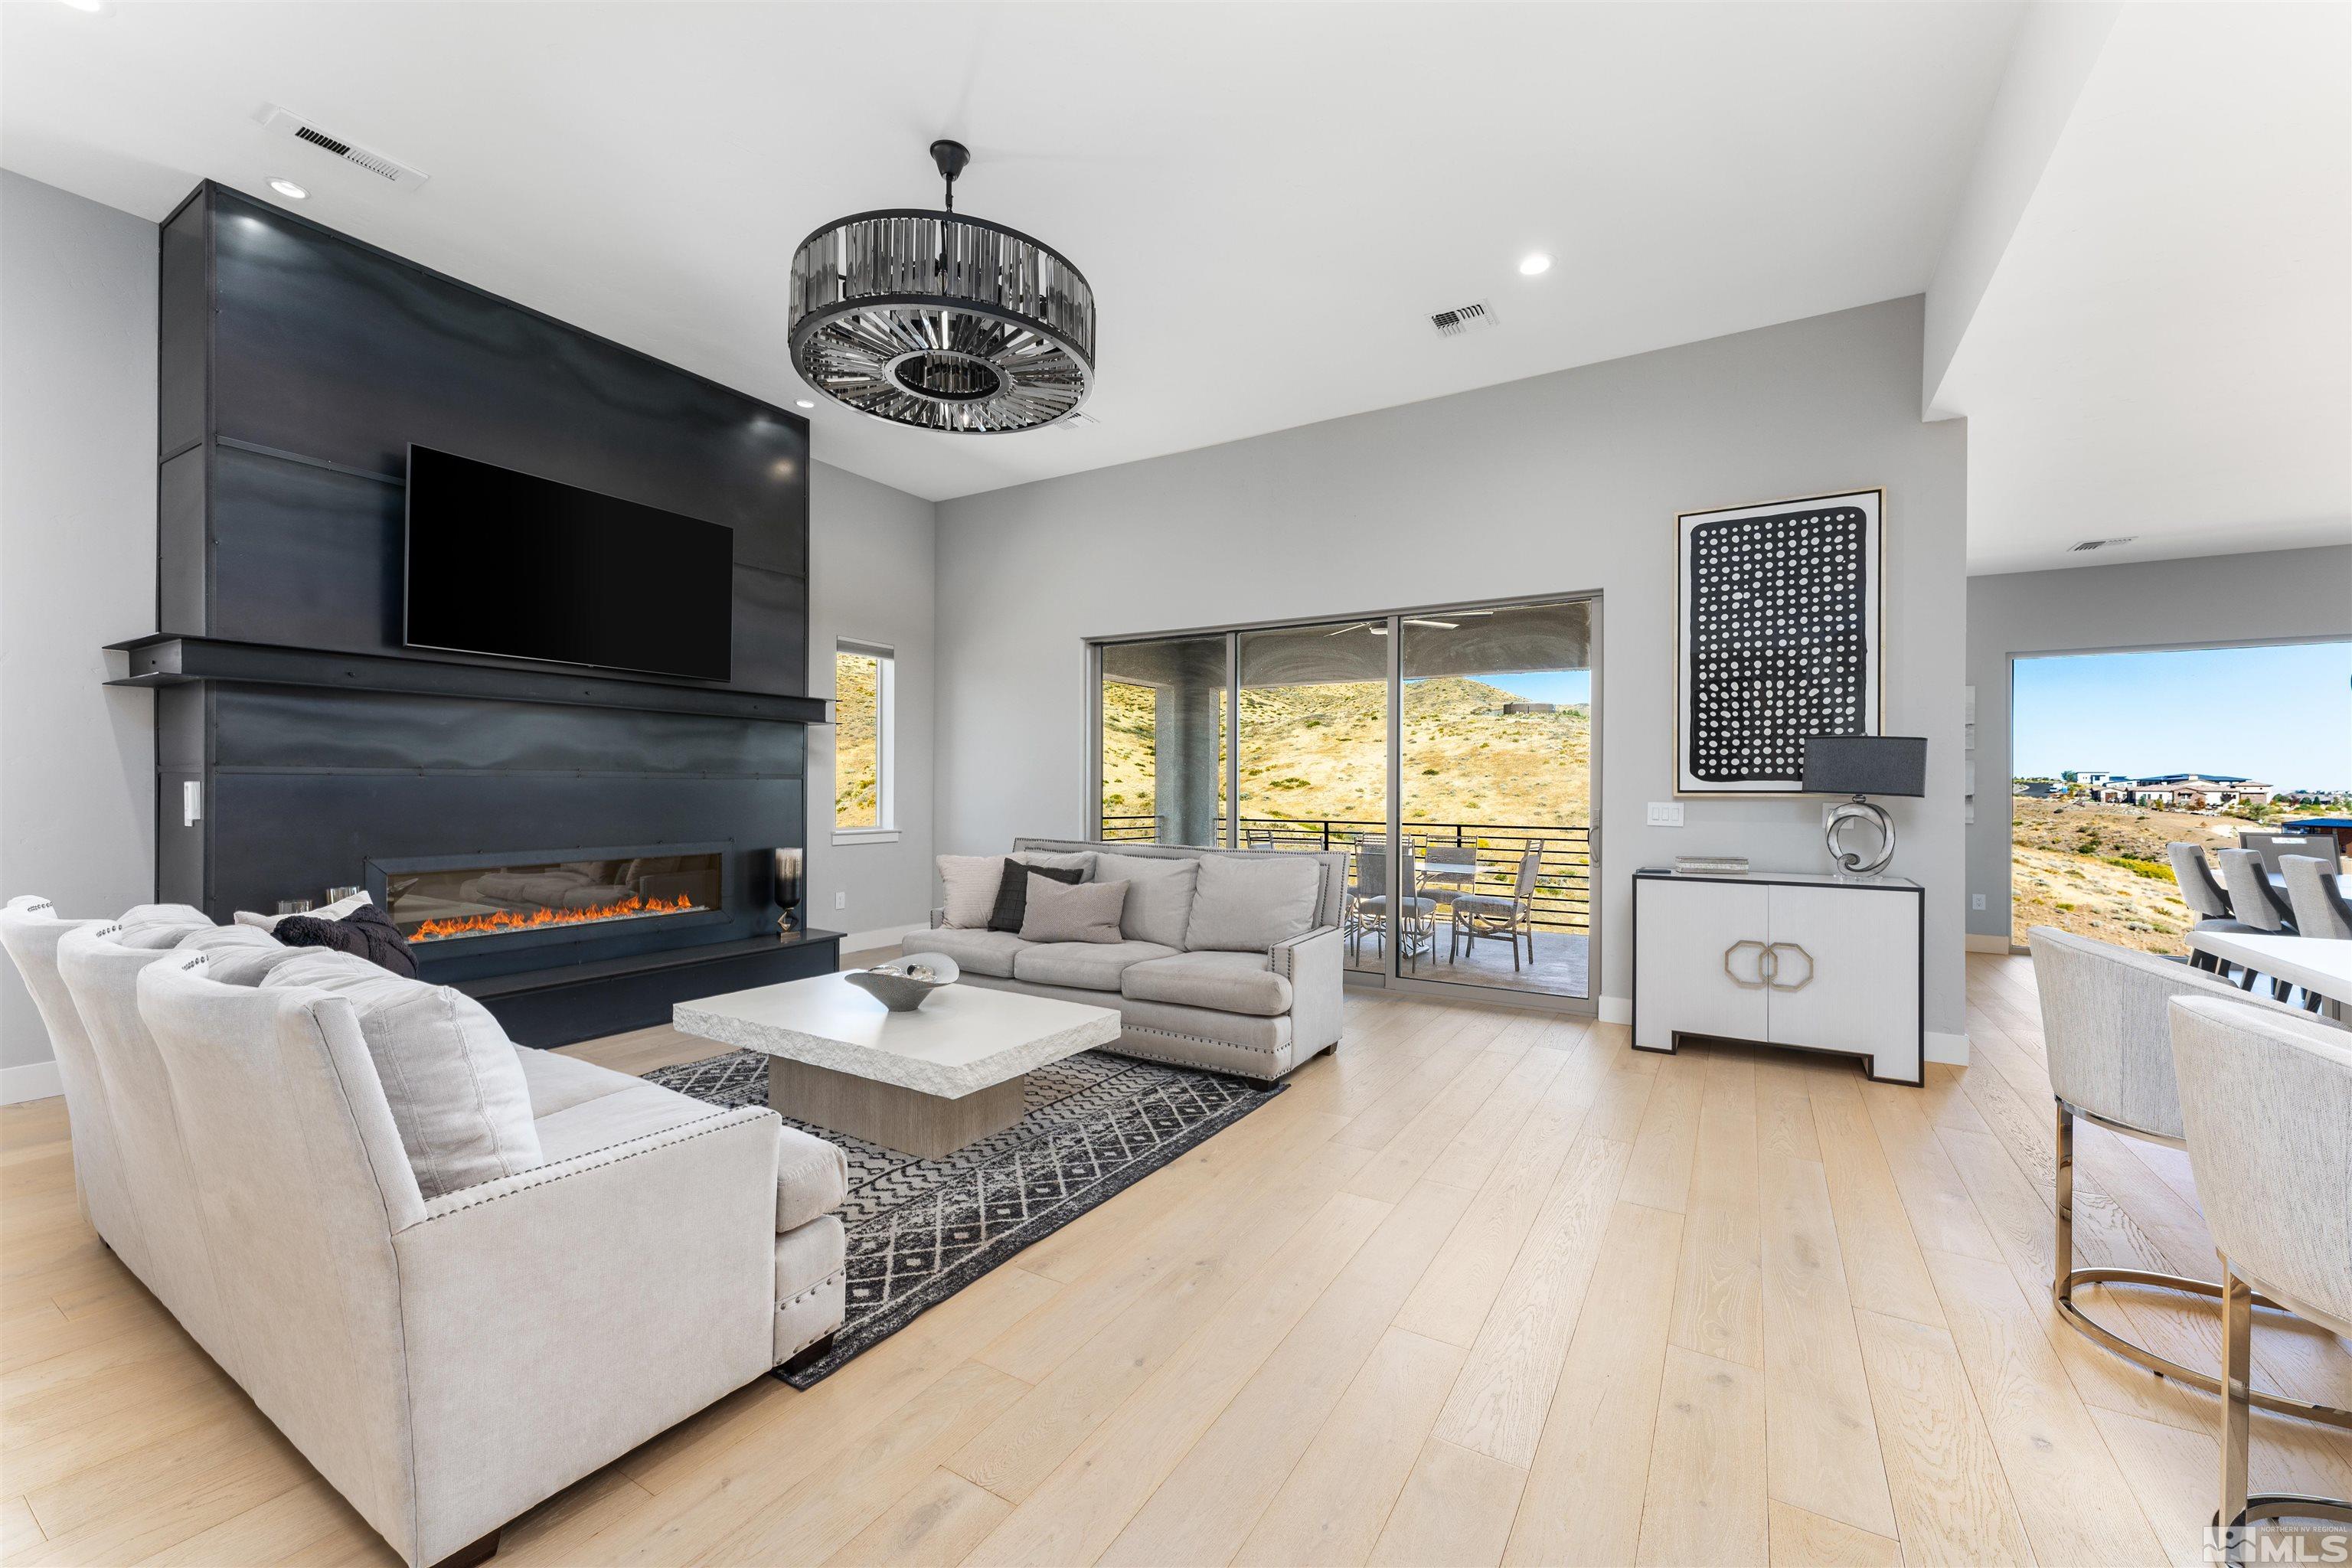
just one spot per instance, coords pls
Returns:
(297, 736)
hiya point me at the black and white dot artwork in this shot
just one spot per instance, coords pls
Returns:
(1779, 636)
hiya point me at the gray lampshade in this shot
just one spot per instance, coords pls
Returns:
(1865, 764)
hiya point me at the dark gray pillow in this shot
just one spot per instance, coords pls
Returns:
(1013, 892)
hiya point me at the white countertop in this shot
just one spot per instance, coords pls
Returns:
(963, 1039)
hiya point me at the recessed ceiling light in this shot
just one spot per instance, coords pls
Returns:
(95, 7)
(803, 403)
(287, 188)
(1535, 265)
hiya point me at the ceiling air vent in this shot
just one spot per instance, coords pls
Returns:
(1463, 318)
(391, 171)
(2100, 544)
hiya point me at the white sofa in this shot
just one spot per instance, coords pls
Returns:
(1255, 1013)
(445, 1364)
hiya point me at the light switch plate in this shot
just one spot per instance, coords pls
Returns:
(1976, 901)
(840, 900)
(1666, 814)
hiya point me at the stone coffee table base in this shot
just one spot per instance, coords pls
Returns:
(924, 1125)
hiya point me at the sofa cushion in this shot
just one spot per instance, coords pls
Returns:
(558, 1082)
(968, 889)
(811, 1178)
(153, 926)
(975, 951)
(333, 911)
(1085, 911)
(449, 1073)
(1086, 965)
(1245, 905)
(1159, 894)
(1013, 892)
(1227, 982)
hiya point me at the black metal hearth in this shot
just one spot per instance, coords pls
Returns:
(577, 848)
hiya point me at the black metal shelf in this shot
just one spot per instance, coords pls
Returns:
(171, 660)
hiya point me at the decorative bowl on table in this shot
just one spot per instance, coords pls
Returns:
(903, 983)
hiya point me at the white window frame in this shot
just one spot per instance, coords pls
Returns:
(886, 708)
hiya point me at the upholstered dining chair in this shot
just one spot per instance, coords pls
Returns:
(2257, 903)
(2206, 899)
(2108, 1036)
(2315, 896)
(2267, 1108)
(1491, 915)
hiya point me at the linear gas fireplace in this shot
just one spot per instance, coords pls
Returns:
(471, 903)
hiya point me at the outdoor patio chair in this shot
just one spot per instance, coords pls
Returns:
(1368, 902)
(1490, 914)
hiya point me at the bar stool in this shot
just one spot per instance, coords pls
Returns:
(2268, 1103)
(2109, 1035)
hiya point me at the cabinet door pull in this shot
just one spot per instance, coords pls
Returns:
(1774, 952)
(1762, 954)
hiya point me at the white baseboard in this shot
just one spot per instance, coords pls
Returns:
(1952, 1051)
(34, 1080)
(1978, 942)
(888, 936)
(1616, 1009)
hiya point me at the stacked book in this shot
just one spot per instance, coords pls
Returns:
(1711, 865)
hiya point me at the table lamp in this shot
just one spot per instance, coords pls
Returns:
(1861, 766)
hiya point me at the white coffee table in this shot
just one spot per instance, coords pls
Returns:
(925, 1083)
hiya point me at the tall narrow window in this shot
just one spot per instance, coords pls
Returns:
(862, 676)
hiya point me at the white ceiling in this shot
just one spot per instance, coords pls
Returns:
(1268, 199)
(2164, 349)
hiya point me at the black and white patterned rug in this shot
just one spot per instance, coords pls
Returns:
(921, 1230)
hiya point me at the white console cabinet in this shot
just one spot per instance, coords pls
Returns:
(1815, 962)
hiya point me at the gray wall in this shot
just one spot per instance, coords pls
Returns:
(2278, 596)
(870, 557)
(1561, 482)
(77, 570)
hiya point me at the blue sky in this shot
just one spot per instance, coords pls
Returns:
(1546, 686)
(2282, 715)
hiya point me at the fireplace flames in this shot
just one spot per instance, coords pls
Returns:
(534, 919)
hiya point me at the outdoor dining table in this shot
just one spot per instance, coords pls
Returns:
(2317, 964)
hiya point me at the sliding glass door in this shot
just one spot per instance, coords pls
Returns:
(1447, 752)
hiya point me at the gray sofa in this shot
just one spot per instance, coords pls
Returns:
(1254, 1013)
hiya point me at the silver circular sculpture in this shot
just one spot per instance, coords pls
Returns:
(942, 321)
(1850, 862)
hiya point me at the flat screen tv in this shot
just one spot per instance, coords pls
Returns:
(504, 562)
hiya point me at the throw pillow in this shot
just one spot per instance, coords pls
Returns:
(1159, 894)
(1245, 904)
(449, 1073)
(160, 926)
(367, 932)
(333, 911)
(968, 885)
(1077, 912)
(1083, 862)
(1013, 892)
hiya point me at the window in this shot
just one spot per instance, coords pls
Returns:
(862, 679)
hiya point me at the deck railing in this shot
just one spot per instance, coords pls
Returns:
(1563, 877)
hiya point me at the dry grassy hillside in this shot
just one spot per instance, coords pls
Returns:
(1315, 751)
(2101, 870)
(854, 761)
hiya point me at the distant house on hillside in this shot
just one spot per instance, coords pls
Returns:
(2187, 792)
(2089, 778)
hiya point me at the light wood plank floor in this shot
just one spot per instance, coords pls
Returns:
(1485, 1287)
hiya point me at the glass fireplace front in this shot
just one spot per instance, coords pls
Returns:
(494, 899)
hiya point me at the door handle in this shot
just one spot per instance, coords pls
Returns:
(1774, 952)
(1763, 966)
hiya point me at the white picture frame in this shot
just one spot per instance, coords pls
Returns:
(1778, 614)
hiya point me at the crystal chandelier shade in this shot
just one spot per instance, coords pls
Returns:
(940, 321)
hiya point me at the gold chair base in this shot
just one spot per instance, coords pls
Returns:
(2116, 1345)
(2069, 1277)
